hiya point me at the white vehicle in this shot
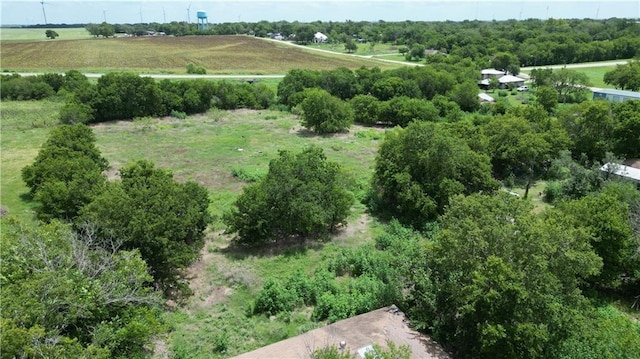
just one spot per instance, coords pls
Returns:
(523, 88)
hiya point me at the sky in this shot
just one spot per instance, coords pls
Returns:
(30, 12)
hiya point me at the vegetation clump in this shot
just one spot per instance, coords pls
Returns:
(302, 195)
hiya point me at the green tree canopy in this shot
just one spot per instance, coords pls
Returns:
(625, 77)
(324, 113)
(67, 294)
(303, 194)
(163, 219)
(66, 173)
(506, 280)
(419, 168)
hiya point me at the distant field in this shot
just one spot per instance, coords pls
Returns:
(21, 35)
(596, 74)
(217, 54)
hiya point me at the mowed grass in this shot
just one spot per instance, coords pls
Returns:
(596, 75)
(217, 54)
(22, 35)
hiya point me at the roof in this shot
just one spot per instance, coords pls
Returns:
(523, 76)
(622, 170)
(319, 35)
(492, 72)
(358, 332)
(618, 93)
(484, 97)
(509, 78)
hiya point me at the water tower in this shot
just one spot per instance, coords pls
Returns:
(203, 21)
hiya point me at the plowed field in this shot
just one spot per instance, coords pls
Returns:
(217, 54)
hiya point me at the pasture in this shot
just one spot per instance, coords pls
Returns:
(208, 148)
(23, 35)
(217, 54)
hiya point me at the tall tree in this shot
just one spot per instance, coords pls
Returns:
(625, 77)
(324, 113)
(67, 294)
(506, 280)
(67, 172)
(303, 194)
(163, 219)
(419, 168)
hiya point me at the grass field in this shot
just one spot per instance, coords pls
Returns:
(22, 35)
(596, 74)
(217, 54)
(207, 148)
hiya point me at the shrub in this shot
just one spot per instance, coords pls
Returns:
(73, 112)
(178, 114)
(196, 70)
(274, 298)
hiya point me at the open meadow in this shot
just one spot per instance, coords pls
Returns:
(217, 54)
(209, 149)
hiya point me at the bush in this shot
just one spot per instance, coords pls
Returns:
(196, 70)
(73, 112)
(178, 114)
(274, 298)
(247, 176)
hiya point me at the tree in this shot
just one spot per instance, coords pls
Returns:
(67, 172)
(466, 96)
(302, 195)
(294, 82)
(50, 34)
(516, 149)
(73, 294)
(419, 168)
(626, 130)
(506, 62)
(402, 110)
(324, 113)
(366, 109)
(625, 77)
(605, 215)
(591, 126)
(122, 96)
(350, 46)
(572, 86)
(547, 97)
(163, 219)
(506, 280)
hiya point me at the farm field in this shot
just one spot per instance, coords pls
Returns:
(22, 35)
(217, 54)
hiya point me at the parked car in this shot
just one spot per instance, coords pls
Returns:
(523, 88)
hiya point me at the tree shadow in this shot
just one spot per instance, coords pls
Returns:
(289, 247)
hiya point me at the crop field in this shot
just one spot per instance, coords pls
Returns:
(217, 54)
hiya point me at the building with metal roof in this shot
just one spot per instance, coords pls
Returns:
(615, 95)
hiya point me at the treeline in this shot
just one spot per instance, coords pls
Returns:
(121, 96)
(534, 42)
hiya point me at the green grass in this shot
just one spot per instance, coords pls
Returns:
(29, 35)
(24, 127)
(208, 148)
(596, 75)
